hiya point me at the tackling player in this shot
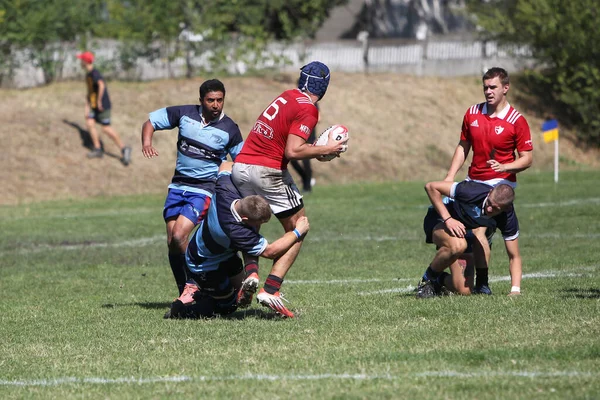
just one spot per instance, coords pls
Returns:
(215, 272)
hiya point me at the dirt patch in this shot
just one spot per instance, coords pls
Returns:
(402, 128)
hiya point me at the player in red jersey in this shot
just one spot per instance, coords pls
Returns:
(495, 131)
(279, 135)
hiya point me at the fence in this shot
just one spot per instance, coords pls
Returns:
(427, 58)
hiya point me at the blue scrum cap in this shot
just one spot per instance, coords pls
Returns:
(314, 77)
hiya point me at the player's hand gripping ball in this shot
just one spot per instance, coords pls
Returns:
(337, 133)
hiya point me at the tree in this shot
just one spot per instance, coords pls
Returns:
(564, 39)
(42, 29)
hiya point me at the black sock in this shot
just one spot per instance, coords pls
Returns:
(482, 277)
(273, 284)
(178, 266)
(430, 275)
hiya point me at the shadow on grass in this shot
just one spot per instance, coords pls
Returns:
(579, 293)
(151, 305)
(237, 315)
(86, 139)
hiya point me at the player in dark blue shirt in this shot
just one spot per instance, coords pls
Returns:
(206, 136)
(474, 205)
(215, 271)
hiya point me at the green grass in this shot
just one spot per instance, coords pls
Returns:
(85, 284)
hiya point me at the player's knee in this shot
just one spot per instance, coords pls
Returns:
(179, 240)
(457, 248)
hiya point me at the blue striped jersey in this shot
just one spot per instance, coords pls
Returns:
(222, 233)
(200, 147)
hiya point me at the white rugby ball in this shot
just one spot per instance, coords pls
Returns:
(337, 133)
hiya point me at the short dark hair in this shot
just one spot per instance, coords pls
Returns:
(211, 85)
(255, 208)
(503, 194)
(496, 72)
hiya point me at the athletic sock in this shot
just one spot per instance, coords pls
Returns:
(250, 268)
(178, 266)
(273, 284)
(430, 274)
(482, 277)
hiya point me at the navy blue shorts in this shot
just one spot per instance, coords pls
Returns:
(218, 296)
(191, 205)
(432, 218)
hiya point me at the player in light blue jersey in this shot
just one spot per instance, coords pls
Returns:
(206, 136)
(216, 283)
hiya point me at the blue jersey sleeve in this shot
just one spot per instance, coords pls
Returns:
(165, 118)
(508, 223)
(244, 238)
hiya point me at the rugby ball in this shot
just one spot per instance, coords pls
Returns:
(337, 133)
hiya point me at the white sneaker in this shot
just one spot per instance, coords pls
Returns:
(274, 302)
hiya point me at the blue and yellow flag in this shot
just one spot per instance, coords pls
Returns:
(550, 130)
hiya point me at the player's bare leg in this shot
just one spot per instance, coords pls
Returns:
(111, 133)
(269, 295)
(97, 150)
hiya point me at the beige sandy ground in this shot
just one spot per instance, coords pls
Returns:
(402, 128)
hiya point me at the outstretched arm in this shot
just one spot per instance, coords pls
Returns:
(284, 243)
(147, 132)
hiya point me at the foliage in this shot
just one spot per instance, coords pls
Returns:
(43, 30)
(564, 39)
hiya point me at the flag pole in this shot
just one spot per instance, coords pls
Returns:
(556, 161)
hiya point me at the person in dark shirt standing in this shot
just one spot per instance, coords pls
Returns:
(97, 109)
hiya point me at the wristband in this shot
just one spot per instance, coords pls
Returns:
(444, 221)
(515, 289)
(297, 233)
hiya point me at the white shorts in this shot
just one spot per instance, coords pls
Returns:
(275, 185)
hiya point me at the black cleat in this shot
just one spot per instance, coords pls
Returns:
(426, 290)
(482, 289)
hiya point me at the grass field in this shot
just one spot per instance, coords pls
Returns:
(85, 284)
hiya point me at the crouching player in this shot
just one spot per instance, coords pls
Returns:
(216, 281)
(475, 205)
(461, 278)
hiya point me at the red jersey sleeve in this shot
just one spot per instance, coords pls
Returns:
(464, 133)
(523, 135)
(304, 122)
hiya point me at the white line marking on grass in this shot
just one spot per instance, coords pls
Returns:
(88, 214)
(341, 238)
(535, 275)
(344, 281)
(71, 247)
(297, 377)
(566, 203)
